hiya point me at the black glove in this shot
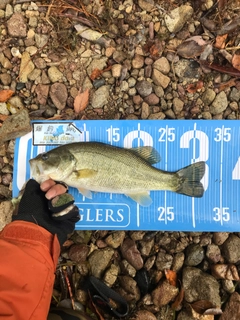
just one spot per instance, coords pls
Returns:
(58, 215)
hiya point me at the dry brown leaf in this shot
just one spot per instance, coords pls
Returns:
(156, 49)
(192, 47)
(68, 243)
(171, 276)
(178, 300)
(228, 70)
(222, 4)
(95, 74)
(236, 60)
(230, 26)
(221, 41)
(5, 95)
(225, 85)
(237, 84)
(81, 101)
(198, 39)
(201, 306)
(194, 87)
(3, 117)
(56, 117)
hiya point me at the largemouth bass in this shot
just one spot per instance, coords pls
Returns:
(99, 167)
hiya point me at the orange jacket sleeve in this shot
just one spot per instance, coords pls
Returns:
(28, 259)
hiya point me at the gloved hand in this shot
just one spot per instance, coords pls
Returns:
(58, 215)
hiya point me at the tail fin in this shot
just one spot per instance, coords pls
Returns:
(190, 177)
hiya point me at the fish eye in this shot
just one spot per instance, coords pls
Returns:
(44, 156)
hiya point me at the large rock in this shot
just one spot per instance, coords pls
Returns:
(131, 253)
(59, 94)
(115, 239)
(3, 3)
(99, 261)
(219, 104)
(160, 79)
(100, 97)
(5, 62)
(129, 289)
(178, 105)
(144, 315)
(79, 252)
(187, 69)
(232, 310)
(6, 210)
(164, 293)
(15, 126)
(199, 285)
(26, 67)
(164, 261)
(162, 65)
(194, 255)
(230, 249)
(157, 116)
(144, 88)
(100, 64)
(208, 96)
(16, 26)
(42, 93)
(146, 5)
(54, 74)
(178, 17)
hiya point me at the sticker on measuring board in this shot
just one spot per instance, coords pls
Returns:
(179, 143)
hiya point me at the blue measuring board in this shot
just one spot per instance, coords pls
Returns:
(179, 143)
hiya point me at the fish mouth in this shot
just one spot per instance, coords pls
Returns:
(37, 171)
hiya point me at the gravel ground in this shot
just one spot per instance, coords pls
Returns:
(137, 59)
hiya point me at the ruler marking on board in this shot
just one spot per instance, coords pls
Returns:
(232, 157)
(84, 139)
(138, 144)
(111, 134)
(110, 139)
(193, 161)
(221, 177)
(166, 156)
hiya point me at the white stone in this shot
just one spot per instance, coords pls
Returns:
(54, 74)
(4, 109)
(178, 17)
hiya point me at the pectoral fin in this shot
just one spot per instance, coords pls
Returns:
(86, 193)
(85, 173)
(142, 198)
(148, 153)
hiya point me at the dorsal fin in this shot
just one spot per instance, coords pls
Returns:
(147, 153)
